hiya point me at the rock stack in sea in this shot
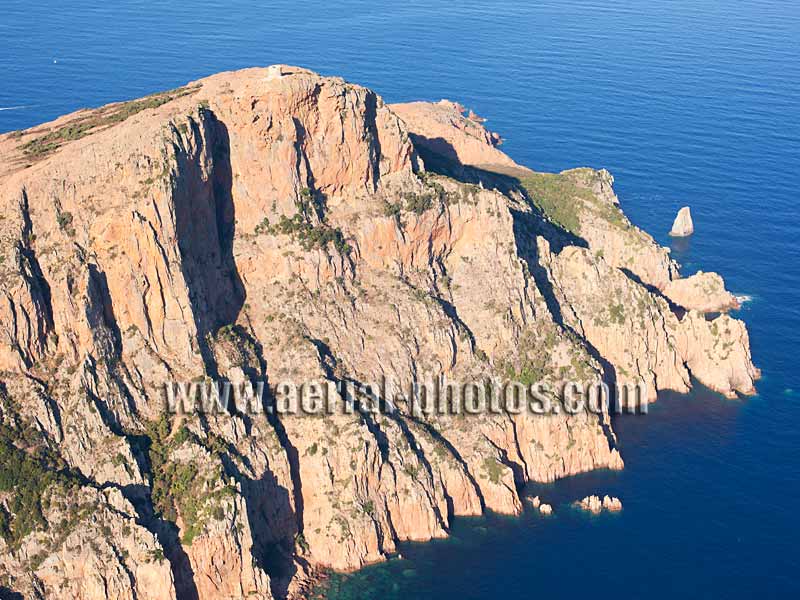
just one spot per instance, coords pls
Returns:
(594, 505)
(542, 507)
(682, 226)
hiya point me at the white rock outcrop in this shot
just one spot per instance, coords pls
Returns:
(594, 505)
(682, 226)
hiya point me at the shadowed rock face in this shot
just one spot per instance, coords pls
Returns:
(274, 224)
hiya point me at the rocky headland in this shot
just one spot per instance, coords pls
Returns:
(275, 224)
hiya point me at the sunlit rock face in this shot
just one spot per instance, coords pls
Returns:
(683, 225)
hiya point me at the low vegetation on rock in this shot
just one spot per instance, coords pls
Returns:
(97, 120)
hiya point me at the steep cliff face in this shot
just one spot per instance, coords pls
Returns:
(280, 226)
(639, 334)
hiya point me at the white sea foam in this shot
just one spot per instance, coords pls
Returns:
(12, 107)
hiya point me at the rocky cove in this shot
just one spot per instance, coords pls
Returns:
(273, 223)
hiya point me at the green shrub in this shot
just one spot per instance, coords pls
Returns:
(26, 475)
(65, 223)
(156, 555)
(493, 468)
(309, 203)
(392, 209)
(263, 226)
(617, 312)
(418, 203)
(309, 236)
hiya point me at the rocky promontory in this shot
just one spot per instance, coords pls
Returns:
(275, 225)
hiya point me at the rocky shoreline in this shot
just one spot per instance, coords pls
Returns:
(275, 224)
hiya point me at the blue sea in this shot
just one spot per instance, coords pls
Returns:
(686, 102)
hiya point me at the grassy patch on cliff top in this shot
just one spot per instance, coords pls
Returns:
(101, 118)
(565, 197)
(559, 198)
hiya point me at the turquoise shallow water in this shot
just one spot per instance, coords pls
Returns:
(686, 102)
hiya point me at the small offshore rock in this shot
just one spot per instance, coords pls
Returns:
(591, 504)
(535, 501)
(545, 509)
(594, 505)
(683, 225)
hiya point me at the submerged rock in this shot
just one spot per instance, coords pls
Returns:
(682, 226)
